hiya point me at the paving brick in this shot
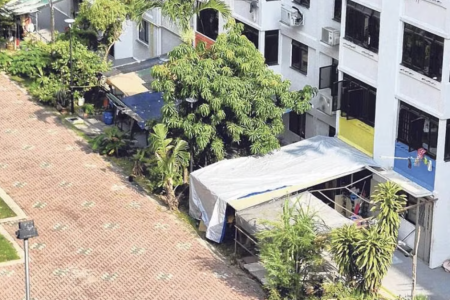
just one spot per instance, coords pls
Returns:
(98, 237)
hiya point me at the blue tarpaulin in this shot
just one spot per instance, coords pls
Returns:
(146, 105)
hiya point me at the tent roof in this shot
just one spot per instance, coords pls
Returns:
(20, 7)
(251, 219)
(146, 105)
(130, 84)
(297, 166)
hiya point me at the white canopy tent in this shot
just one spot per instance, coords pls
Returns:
(248, 181)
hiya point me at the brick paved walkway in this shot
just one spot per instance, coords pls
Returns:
(99, 238)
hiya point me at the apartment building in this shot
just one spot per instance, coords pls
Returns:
(394, 101)
(383, 84)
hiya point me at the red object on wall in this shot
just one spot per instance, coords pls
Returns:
(202, 38)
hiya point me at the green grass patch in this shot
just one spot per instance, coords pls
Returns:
(5, 211)
(24, 82)
(7, 251)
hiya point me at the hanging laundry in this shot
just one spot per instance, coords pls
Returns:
(357, 207)
(430, 165)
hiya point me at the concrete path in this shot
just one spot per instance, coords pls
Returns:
(98, 237)
(435, 283)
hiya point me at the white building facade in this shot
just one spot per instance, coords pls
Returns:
(382, 68)
(394, 100)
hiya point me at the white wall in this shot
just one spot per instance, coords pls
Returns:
(319, 15)
(163, 37)
(124, 47)
(396, 83)
(440, 241)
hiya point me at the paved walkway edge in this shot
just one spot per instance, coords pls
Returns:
(16, 247)
(20, 214)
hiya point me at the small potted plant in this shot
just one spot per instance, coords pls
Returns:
(88, 109)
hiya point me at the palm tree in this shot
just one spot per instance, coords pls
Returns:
(171, 157)
(389, 202)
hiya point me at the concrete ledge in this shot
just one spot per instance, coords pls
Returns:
(20, 214)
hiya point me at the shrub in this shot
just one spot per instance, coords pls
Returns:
(5, 60)
(111, 142)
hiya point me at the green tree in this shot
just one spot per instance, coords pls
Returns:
(290, 250)
(108, 16)
(389, 203)
(363, 255)
(240, 100)
(171, 158)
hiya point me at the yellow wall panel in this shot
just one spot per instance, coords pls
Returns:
(357, 134)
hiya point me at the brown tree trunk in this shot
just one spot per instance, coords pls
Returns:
(105, 59)
(172, 201)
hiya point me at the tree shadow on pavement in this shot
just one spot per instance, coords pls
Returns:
(236, 279)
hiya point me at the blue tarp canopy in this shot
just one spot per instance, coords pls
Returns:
(146, 105)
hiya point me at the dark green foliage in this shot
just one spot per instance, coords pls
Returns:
(388, 202)
(49, 67)
(31, 61)
(89, 108)
(5, 60)
(111, 142)
(140, 160)
(240, 100)
(363, 255)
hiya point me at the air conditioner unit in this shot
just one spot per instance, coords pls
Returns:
(330, 36)
(292, 17)
(325, 104)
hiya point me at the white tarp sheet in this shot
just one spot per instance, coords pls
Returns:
(252, 219)
(302, 164)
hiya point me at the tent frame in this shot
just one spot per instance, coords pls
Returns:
(364, 222)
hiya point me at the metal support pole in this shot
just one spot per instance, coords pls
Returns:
(27, 271)
(72, 109)
(416, 247)
(191, 150)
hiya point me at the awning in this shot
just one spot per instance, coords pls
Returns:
(407, 185)
(249, 181)
(145, 105)
(20, 7)
(251, 220)
(129, 84)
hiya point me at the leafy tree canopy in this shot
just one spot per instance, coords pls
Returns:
(240, 100)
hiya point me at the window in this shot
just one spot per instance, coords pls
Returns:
(358, 100)
(328, 75)
(304, 3)
(362, 26)
(423, 52)
(447, 142)
(417, 129)
(297, 123)
(331, 131)
(251, 33)
(271, 47)
(208, 23)
(337, 10)
(299, 59)
(143, 32)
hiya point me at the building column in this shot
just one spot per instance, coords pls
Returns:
(440, 242)
(389, 55)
